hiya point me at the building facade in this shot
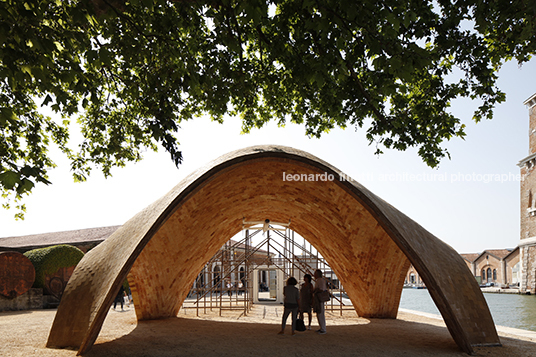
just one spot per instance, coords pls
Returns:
(491, 266)
(495, 267)
(413, 278)
(527, 245)
(513, 267)
(469, 260)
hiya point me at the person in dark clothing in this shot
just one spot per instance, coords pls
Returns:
(306, 298)
(291, 304)
(119, 297)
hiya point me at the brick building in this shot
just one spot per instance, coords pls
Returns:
(527, 245)
(496, 266)
(413, 278)
(469, 259)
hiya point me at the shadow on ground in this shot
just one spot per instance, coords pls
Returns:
(192, 337)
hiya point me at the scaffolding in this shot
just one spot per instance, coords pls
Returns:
(227, 280)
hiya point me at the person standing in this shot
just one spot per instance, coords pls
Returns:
(229, 288)
(291, 303)
(240, 287)
(306, 298)
(320, 285)
(119, 298)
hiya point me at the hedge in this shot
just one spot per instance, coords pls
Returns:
(50, 259)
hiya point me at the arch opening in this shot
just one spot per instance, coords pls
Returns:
(368, 260)
(256, 266)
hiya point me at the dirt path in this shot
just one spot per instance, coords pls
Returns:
(24, 333)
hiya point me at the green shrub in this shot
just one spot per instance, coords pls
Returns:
(49, 260)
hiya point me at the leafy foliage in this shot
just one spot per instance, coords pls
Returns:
(47, 261)
(130, 71)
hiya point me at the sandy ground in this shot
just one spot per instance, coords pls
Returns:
(24, 333)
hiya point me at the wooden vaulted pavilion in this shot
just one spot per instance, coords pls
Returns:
(367, 242)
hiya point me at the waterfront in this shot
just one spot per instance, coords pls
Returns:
(511, 310)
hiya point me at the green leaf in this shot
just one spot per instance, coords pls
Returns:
(9, 179)
(25, 186)
(47, 100)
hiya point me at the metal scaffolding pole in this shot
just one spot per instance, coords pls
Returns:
(231, 271)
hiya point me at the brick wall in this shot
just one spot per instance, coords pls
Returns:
(417, 278)
(486, 262)
(528, 281)
(532, 130)
(32, 299)
(528, 184)
(528, 207)
(511, 262)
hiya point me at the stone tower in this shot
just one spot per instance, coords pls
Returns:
(527, 245)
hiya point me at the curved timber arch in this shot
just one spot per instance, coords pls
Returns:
(365, 240)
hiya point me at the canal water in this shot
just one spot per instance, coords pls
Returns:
(511, 310)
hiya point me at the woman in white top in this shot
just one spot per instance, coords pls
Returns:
(320, 285)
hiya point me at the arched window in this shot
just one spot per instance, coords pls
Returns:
(412, 278)
(483, 275)
(488, 273)
(201, 279)
(530, 199)
(216, 278)
(494, 274)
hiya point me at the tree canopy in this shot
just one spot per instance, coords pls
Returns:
(129, 71)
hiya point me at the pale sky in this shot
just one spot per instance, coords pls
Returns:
(464, 202)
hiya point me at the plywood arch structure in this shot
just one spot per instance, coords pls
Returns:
(364, 239)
